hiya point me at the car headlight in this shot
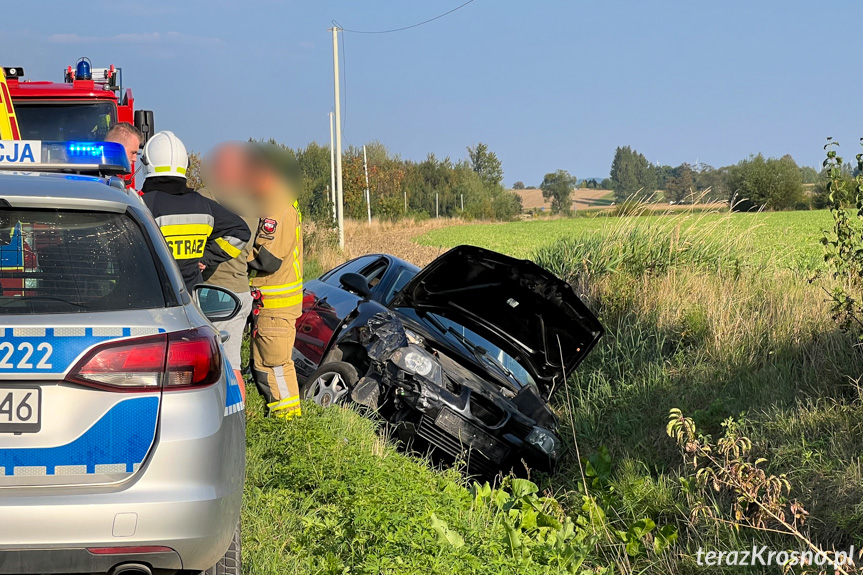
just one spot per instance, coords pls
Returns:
(417, 361)
(544, 440)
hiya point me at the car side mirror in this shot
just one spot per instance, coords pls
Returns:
(217, 304)
(357, 284)
(144, 122)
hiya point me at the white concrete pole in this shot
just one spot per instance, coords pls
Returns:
(340, 196)
(368, 193)
(333, 168)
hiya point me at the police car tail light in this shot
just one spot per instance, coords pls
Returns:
(129, 365)
(175, 361)
(194, 359)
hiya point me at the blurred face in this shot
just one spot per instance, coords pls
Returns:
(227, 173)
(226, 169)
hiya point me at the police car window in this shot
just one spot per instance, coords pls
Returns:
(63, 121)
(55, 261)
(354, 266)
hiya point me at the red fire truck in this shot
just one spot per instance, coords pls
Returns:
(82, 107)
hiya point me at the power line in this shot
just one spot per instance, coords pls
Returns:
(417, 25)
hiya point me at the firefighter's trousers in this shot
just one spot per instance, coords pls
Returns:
(272, 366)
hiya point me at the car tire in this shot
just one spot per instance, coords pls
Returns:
(232, 562)
(337, 378)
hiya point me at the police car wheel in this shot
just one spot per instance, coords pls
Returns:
(331, 384)
(232, 562)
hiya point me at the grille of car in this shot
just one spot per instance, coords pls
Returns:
(455, 435)
(477, 463)
(486, 411)
(518, 428)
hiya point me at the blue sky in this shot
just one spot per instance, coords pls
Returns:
(548, 84)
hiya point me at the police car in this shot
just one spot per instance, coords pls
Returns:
(122, 447)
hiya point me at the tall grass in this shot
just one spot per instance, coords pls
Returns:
(648, 245)
(689, 325)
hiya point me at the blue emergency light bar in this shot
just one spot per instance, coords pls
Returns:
(85, 149)
(92, 158)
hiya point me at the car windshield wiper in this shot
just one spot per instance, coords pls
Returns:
(480, 352)
(497, 363)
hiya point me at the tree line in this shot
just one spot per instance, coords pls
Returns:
(470, 187)
(753, 183)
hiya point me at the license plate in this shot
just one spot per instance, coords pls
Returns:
(20, 409)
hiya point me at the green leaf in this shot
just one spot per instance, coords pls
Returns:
(445, 536)
(523, 487)
(513, 537)
(665, 537)
(529, 520)
(641, 528)
(598, 465)
(545, 520)
(634, 547)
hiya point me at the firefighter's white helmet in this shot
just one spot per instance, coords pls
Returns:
(165, 155)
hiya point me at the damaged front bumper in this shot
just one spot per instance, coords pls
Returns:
(431, 405)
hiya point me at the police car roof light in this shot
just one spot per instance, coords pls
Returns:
(103, 158)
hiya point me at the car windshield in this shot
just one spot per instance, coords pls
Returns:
(56, 261)
(486, 351)
(404, 276)
(60, 121)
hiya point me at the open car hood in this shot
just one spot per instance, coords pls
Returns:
(515, 304)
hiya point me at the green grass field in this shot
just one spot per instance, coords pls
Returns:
(717, 315)
(790, 238)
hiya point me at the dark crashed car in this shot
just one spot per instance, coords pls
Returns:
(461, 357)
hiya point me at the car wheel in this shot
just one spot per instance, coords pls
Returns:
(331, 384)
(232, 562)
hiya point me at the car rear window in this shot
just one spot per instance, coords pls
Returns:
(58, 261)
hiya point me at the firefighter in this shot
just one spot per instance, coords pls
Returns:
(199, 232)
(226, 173)
(276, 269)
(128, 136)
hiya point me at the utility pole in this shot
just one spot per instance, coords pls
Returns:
(437, 205)
(406, 202)
(332, 189)
(462, 202)
(340, 197)
(368, 194)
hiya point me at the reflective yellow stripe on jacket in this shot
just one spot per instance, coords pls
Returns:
(282, 296)
(291, 294)
(186, 234)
